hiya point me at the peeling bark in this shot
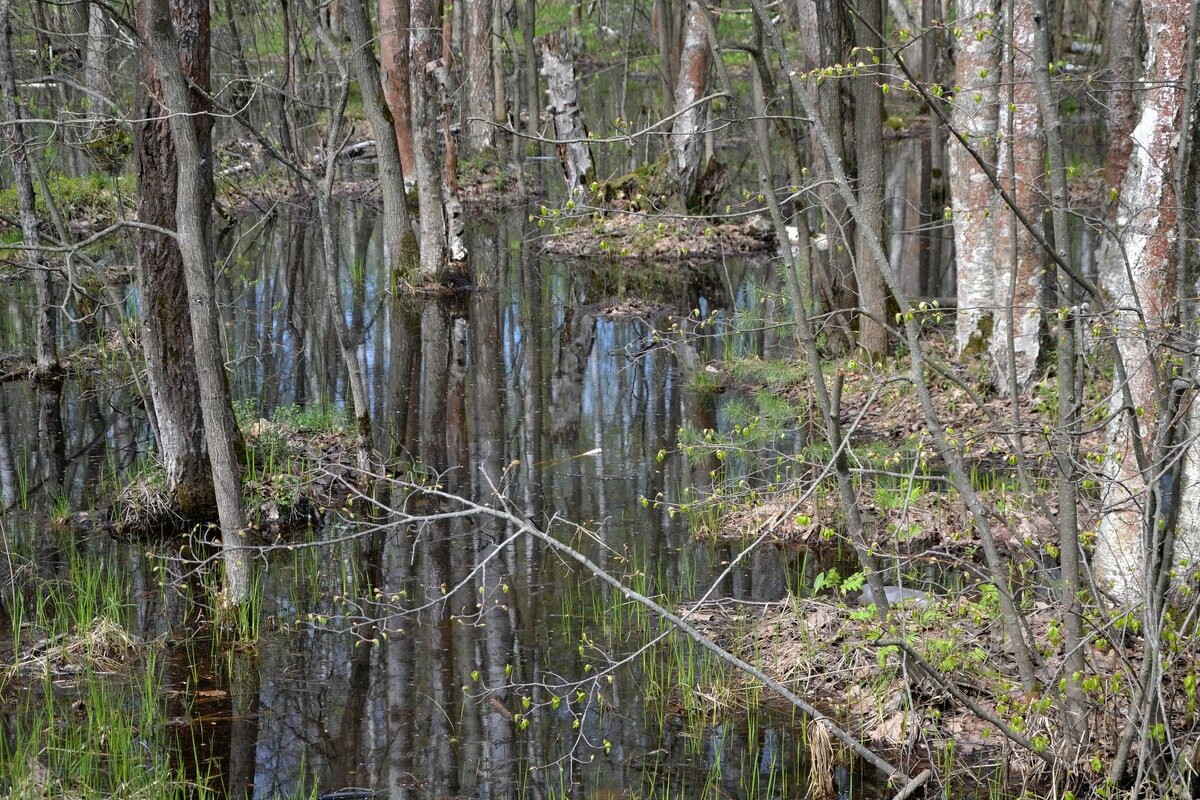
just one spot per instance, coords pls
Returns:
(394, 57)
(975, 113)
(1016, 344)
(1138, 270)
(426, 48)
(574, 152)
(687, 131)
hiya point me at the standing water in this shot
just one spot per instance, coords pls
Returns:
(396, 645)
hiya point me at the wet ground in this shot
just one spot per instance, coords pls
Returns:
(418, 658)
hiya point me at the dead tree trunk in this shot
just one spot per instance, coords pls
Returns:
(573, 150)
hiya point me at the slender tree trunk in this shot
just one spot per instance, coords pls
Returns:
(868, 139)
(192, 212)
(975, 113)
(1068, 432)
(533, 101)
(425, 49)
(399, 242)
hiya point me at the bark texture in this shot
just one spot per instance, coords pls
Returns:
(480, 88)
(397, 227)
(1138, 271)
(394, 56)
(558, 66)
(426, 48)
(166, 316)
(687, 131)
(1016, 344)
(193, 198)
(868, 139)
(975, 113)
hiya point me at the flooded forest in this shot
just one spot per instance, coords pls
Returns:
(548, 399)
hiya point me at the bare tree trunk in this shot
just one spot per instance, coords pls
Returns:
(821, 32)
(192, 211)
(687, 131)
(1016, 347)
(166, 315)
(426, 49)
(456, 245)
(394, 54)
(975, 113)
(868, 139)
(533, 104)
(1138, 270)
(480, 86)
(573, 151)
(399, 241)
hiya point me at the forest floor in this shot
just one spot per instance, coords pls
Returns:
(834, 650)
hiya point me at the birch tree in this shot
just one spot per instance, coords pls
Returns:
(975, 114)
(687, 131)
(1016, 344)
(1138, 269)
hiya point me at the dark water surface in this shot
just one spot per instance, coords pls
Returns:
(500, 685)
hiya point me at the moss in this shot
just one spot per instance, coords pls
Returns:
(978, 343)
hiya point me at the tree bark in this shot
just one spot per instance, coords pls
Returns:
(574, 153)
(398, 240)
(166, 316)
(394, 54)
(478, 77)
(687, 131)
(1137, 268)
(1016, 346)
(193, 195)
(868, 140)
(975, 114)
(426, 48)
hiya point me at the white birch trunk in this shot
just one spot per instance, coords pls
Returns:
(1019, 258)
(975, 114)
(1137, 269)
(574, 152)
